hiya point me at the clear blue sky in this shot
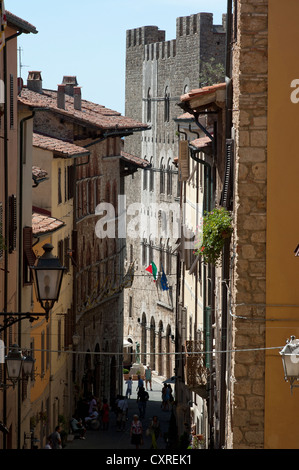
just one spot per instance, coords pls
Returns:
(87, 38)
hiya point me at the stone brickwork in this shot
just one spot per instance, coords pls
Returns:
(249, 273)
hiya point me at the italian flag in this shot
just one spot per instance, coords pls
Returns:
(152, 268)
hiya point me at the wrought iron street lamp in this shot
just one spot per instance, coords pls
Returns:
(290, 361)
(15, 363)
(48, 273)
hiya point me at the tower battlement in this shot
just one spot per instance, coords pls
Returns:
(144, 35)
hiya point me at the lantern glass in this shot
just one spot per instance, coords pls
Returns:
(14, 361)
(290, 358)
(48, 284)
(48, 273)
(28, 364)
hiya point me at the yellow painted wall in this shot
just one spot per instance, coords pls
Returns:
(282, 408)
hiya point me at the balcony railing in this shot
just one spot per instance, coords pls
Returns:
(196, 373)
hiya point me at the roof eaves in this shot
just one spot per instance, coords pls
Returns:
(22, 25)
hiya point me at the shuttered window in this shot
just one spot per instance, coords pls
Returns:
(70, 178)
(1, 231)
(28, 255)
(66, 253)
(12, 227)
(11, 83)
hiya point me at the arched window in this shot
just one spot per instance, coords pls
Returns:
(145, 174)
(169, 178)
(149, 106)
(166, 104)
(107, 193)
(151, 183)
(144, 252)
(162, 176)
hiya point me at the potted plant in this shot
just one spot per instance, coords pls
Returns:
(216, 227)
(126, 374)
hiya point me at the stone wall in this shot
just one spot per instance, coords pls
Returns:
(249, 271)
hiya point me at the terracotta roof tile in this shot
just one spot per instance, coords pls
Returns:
(203, 91)
(60, 147)
(202, 142)
(38, 173)
(43, 224)
(90, 114)
(140, 162)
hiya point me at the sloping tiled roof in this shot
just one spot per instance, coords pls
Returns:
(19, 23)
(91, 114)
(38, 173)
(60, 147)
(207, 90)
(140, 162)
(201, 143)
(43, 224)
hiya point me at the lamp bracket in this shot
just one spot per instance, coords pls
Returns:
(15, 317)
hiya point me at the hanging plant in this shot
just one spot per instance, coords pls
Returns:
(216, 227)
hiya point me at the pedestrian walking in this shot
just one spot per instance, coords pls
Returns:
(136, 432)
(148, 377)
(122, 411)
(165, 397)
(139, 383)
(105, 414)
(92, 404)
(129, 384)
(154, 431)
(56, 438)
(142, 398)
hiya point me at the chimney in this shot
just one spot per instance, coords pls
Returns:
(34, 81)
(61, 97)
(70, 82)
(77, 98)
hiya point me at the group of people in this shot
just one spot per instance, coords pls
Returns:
(94, 411)
(136, 432)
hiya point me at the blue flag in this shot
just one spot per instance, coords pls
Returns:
(164, 282)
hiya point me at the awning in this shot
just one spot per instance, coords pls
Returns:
(127, 344)
(171, 380)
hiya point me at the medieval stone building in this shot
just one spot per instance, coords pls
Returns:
(158, 72)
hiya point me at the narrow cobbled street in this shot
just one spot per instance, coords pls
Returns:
(114, 439)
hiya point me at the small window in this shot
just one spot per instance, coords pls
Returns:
(162, 177)
(130, 306)
(149, 106)
(151, 183)
(166, 105)
(59, 187)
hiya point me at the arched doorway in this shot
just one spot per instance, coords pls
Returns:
(143, 339)
(112, 381)
(97, 371)
(160, 348)
(152, 345)
(167, 348)
(87, 376)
